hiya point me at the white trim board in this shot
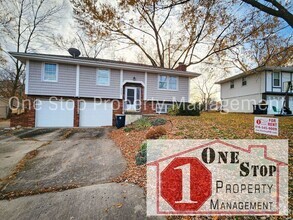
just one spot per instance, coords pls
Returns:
(27, 76)
(77, 80)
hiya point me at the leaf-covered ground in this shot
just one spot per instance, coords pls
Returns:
(206, 126)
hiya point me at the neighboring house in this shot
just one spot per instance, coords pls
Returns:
(3, 107)
(91, 91)
(262, 85)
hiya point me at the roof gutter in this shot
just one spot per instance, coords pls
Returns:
(26, 56)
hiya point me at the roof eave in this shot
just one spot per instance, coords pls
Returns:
(254, 71)
(25, 56)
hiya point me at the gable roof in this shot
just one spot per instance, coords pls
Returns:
(100, 63)
(255, 71)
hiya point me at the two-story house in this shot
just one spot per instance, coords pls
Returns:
(262, 85)
(66, 91)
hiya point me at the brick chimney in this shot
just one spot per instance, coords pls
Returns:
(181, 66)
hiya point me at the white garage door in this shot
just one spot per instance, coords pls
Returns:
(95, 114)
(54, 114)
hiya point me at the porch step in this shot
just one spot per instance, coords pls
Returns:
(130, 118)
(132, 113)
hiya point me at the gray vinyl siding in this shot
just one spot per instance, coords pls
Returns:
(88, 87)
(128, 76)
(64, 87)
(167, 95)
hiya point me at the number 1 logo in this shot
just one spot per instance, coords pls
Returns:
(185, 184)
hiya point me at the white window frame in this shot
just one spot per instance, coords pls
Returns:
(168, 78)
(97, 77)
(232, 84)
(43, 72)
(279, 74)
(162, 110)
(244, 81)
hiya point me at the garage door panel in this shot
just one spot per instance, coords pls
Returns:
(55, 114)
(95, 114)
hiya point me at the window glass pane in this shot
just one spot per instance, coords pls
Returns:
(276, 75)
(103, 77)
(161, 108)
(163, 82)
(276, 79)
(173, 83)
(50, 72)
(130, 96)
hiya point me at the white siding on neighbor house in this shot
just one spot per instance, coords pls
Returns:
(285, 78)
(269, 81)
(263, 82)
(253, 87)
(89, 88)
(154, 93)
(65, 86)
(129, 75)
(241, 104)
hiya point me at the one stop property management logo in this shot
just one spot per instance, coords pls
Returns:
(229, 177)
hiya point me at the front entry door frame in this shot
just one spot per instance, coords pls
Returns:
(129, 105)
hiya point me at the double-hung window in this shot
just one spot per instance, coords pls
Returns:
(103, 77)
(173, 83)
(50, 72)
(168, 82)
(276, 80)
(163, 108)
(163, 82)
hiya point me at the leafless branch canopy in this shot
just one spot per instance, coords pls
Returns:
(21, 23)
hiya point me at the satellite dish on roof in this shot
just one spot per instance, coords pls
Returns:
(74, 52)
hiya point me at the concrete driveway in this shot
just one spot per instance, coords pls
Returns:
(80, 163)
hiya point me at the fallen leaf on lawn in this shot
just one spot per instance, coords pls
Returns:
(119, 205)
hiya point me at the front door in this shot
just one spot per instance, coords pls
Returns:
(132, 97)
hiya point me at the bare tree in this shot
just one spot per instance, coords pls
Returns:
(89, 46)
(271, 51)
(205, 88)
(26, 23)
(191, 32)
(275, 9)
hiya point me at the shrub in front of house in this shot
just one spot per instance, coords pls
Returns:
(185, 109)
(156, 133)
(141, 156)
(142, 123)
(158, 121)
(128, 129)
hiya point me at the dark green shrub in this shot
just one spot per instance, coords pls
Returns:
(185, 109)
(158, 121)
(141, 156)
(174, 110)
